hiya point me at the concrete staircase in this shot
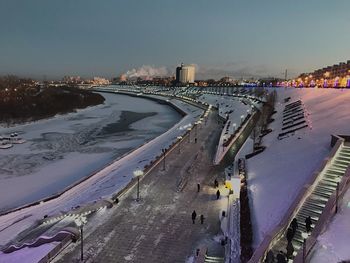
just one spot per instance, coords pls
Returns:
(314, 204)
(211, 259)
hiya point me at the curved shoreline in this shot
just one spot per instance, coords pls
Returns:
(78, 182)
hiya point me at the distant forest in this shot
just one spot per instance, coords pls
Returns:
(23, 100)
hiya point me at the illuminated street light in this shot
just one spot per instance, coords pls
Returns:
(80, 222)
(179, 138)
(195, 132)
(189, 134)
(137, 174)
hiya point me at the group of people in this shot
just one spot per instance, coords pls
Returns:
(194, 214)
(281, 256)
(216, 185)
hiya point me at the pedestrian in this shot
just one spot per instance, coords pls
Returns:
(197, 252)
(217, 194)
(290, 250)
(194, 215)
(202, 219)
(195, 140)
(216, 183)
(198, 187)
(290, 235)
(281, 258)
(294, 225)
(308, 223)
(270, 257)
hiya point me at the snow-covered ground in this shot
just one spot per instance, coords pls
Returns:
(276, 175)
(104, 183)
(28, 254)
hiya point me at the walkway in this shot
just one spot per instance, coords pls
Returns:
(159, 227)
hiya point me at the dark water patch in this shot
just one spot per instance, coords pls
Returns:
(80, 117)
(126, 119)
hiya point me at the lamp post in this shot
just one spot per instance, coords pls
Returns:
(337, 194)
(137, 174)
(195, 131)
(163, 151)
(189, 134)
(179, 138)
(80, 222)
(304, 236)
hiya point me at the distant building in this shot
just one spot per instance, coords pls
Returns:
(334, 76)
(185, 74)
(177, 75)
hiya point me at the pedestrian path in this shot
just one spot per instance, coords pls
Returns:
(159, 228)
(314, 204)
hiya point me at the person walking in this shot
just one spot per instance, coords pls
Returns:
(216, 183)
(194, 215)
(270, 257)
(290, 250)
(198, 187)
(217, 194)
(281, 258)
(294, 225)
(202, 219)
(308, 223)
(290, 235)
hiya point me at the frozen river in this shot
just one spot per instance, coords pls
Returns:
(64, 149)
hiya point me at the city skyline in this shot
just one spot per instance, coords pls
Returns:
(226, 39)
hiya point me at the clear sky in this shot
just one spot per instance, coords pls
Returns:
(223, 37)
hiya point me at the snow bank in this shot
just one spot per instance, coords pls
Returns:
(277, 174)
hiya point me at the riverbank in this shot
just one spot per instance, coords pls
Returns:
(63, 150)
(25, 104)
(104, 183)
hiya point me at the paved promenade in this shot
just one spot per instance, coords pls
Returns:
(159, 227)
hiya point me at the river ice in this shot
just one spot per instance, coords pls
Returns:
(61, 150)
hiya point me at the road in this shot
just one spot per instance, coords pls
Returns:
(159, 227)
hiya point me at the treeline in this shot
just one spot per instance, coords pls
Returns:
(23, 101)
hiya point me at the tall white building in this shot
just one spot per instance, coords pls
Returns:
(185, 74)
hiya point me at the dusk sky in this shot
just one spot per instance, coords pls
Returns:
(223, 37)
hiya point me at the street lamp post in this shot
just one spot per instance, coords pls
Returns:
(137, 174)
(179, 138)
(80, 222)
(337, 194)
(189, 134)
(164, 151)
(304, 236)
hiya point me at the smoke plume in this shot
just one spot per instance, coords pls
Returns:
(147, 72)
